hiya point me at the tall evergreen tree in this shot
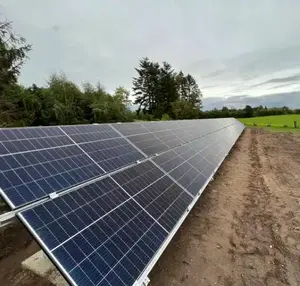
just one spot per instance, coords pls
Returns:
(146, 86)
(194, 94)
(167, 90)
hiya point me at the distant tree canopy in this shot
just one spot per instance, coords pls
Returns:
(159, 91)
(248, 111)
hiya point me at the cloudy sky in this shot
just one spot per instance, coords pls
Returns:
(232, 47)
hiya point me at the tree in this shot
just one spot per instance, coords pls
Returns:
(167, 91)
(248, 111)
(13, 52)
(183, 109)
(157, 87)
(145, 86)
(122, 95)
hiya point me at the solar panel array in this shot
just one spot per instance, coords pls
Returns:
(125, 189)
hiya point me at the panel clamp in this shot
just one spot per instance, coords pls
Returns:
(143, 282)
(53, 195)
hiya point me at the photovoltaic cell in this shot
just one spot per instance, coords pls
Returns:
(26, 139)
(112, 154)
(28, 176)
(138, 177)
(128, 129)
(90, 133)
(165, 201)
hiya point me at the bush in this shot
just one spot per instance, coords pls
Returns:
(165, 117)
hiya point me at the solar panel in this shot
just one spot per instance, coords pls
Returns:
(90, 133)
(112, 154)
(99, 235)
(36, 162)
(111, 230)
(191, 165)
(25, 139)
(28, 176)
(152, 138)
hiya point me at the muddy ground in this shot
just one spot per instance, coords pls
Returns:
(245, 229)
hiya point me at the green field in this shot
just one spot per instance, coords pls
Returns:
(277, 121)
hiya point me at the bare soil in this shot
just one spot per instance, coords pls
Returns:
(244, 230)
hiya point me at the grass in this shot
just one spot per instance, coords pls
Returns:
(274, 122)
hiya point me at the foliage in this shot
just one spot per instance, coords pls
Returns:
(159, 90)
(183, 109)
(165, 117)
(13, 50)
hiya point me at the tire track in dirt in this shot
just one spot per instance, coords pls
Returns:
(260, 256)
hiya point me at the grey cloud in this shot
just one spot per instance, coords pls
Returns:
(56, 28)
(101, 40)
(292, 100)
(294, 78)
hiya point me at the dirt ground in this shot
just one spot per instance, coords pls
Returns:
(245, 229)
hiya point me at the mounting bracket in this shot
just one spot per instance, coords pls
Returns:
(143, 282)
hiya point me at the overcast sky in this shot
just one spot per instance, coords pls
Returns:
(232, 47)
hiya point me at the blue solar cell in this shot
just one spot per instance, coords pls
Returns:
(112, 154)
(148, 143)
(164, 197)
(29, 176)
(138, 177)
(128, 129)
(27, 139)
(90, 133)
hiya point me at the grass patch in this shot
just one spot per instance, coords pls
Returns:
(274, 122)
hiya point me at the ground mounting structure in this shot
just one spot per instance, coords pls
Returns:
(104, 200)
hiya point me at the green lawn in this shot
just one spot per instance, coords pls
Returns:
(276, 121)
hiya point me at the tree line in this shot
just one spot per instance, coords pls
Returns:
(159, 93)
(248, 111)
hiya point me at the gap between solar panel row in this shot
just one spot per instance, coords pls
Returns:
(125, 266)
(28, 178)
